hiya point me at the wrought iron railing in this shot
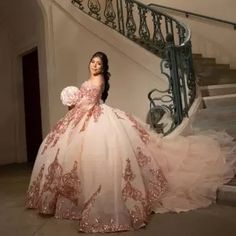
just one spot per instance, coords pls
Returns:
(164, 36)
(188, 14)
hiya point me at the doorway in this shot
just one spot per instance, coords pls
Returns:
(33, 122)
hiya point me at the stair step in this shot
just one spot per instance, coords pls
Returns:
(216, 81)
(197, 55)
(232, 182)
(199, 58)
(213, 90)
(227, 195)
(205, 124)
(202, 67)
(204, 61)
(217, 71)
(228, 127)
(228, 77)
(225, 108)
(217, 114)
(220, 101)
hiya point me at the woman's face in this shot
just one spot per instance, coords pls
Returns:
(95, 66)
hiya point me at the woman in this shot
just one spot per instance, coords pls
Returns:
(104, 168)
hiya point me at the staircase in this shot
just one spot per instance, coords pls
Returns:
(218, 88)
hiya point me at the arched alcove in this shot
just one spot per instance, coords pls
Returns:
(22, 30)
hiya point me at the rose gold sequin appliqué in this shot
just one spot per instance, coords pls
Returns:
(95, 112)
(74, 115)
(144, 135)
(56, 185)
(138, 211)
(33, 194)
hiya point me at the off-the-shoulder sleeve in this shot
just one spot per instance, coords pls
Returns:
(90, 93)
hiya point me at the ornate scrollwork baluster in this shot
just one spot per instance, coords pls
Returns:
(167, 24)
(181, 33)
(157, 38)
(182, 79)
(79, 3)
(110, 14)
(162, 114)
(94, 8)
(186, 67)
(191, 80)
(173, 57)
(171, 27)
(120, 16)
(143, 28)
(130, 22)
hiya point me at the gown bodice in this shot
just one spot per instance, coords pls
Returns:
(89, 94)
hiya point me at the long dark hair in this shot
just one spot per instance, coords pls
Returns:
(104, 72)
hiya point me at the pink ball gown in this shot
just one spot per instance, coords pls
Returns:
(109, 171)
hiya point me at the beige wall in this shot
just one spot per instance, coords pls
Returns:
(209, 38)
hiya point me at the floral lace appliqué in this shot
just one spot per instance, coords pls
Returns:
(157, 185)
(56, 186)
(33, 194)
(138, 208)
(94, 112)
(144, 135)
(92, 224)
(74, 115)
(142, 158)
(118, 113)
(90, 94)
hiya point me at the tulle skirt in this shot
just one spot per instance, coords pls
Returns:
(109, 171)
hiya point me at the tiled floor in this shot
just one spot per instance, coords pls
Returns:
(15, 220)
